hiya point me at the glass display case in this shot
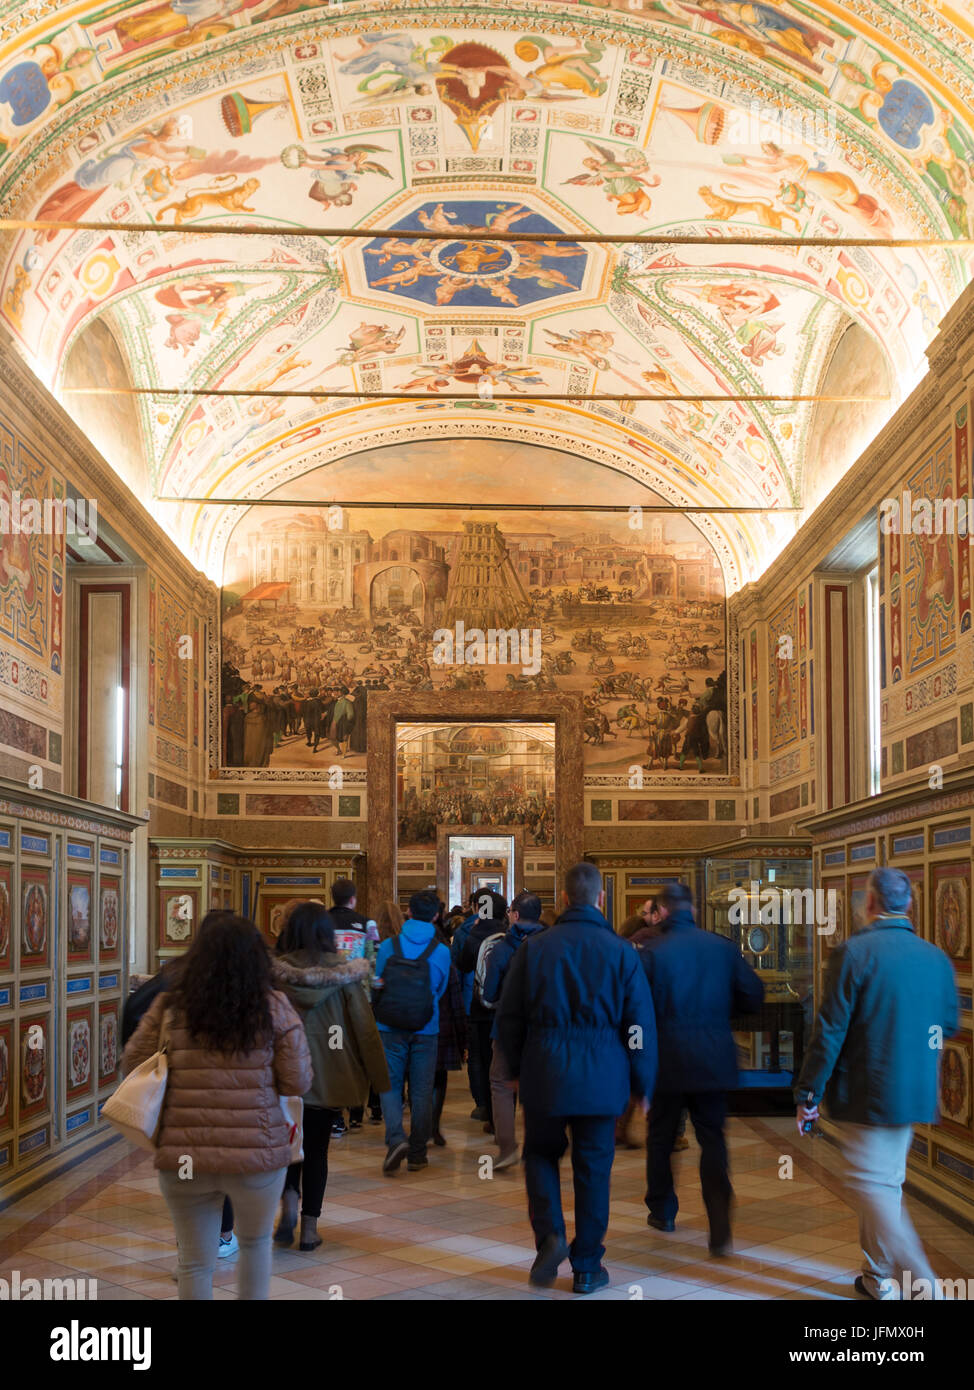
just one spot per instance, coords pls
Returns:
(758, 893)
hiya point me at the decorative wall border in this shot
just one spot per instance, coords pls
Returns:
(954, 801)
(37, 813)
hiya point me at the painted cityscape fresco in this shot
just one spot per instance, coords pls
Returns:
(323, 606)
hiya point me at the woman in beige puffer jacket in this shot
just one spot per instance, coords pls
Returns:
(236, 1046)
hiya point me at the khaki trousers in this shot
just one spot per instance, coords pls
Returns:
(875, 1157)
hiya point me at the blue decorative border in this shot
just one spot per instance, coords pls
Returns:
(951, 835)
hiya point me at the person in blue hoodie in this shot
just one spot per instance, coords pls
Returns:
(524, 915)
(411, 1055)
(577, 1029)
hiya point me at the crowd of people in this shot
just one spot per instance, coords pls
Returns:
(513, 804)
(569, 1020)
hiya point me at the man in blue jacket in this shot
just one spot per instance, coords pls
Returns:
(699, 981)
(890, 1000)
(576, 1027)
(412, 1054)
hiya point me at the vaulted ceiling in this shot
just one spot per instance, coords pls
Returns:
(725, 119)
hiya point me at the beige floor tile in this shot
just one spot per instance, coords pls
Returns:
(444, 1234)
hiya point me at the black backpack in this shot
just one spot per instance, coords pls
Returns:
(405, 1000)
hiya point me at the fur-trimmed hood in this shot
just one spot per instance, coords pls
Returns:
(307, 984)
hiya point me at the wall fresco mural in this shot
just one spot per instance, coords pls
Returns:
(481, 775)
(321, 605)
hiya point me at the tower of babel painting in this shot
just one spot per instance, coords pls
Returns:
(484, 589)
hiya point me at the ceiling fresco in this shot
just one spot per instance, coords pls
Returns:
(721, 119)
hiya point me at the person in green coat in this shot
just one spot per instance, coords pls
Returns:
(346, 1052)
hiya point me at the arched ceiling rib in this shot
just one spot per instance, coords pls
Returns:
(722, 118)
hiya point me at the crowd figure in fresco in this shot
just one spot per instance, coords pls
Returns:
(512, 804)
(254, 721)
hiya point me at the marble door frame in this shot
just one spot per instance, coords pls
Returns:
(387, 708)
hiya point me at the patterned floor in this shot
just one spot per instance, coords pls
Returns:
(447, 1233)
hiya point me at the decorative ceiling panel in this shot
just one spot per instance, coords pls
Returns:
(727, 119)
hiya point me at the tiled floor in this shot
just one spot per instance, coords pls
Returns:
(449, 1233)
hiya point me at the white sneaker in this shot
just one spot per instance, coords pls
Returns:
(228, 1247)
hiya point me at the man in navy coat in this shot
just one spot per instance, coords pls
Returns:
(699, 981)
(576, 1028)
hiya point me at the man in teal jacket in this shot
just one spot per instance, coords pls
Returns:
(890, 1000)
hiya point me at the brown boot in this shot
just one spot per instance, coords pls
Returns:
(310, 1239)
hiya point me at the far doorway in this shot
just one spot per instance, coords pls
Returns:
(467, 863)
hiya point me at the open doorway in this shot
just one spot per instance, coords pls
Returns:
(475, 862)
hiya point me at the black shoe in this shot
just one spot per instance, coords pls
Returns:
(588, 1280)
(479, 1113)
(544, 1271)
(338, 1130)
(415, 1164)
(659, 1224)
(862, 1291)
(438, 1139)
(375, 1118)
(394, 1157)
(355, 1124)
(488, 1127)
(722, 1249)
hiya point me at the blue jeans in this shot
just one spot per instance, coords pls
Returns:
(593, 1149)
(412, 1057)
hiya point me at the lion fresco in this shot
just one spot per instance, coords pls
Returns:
(723, 208)
(230, 199)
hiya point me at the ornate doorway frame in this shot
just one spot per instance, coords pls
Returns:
(387, 708)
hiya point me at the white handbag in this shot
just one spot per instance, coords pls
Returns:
(135, 1107)
(293, 1107)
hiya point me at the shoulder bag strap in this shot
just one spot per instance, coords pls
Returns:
(164, 1028)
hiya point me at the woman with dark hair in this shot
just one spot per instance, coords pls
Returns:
(390, 920)
(346, 1053)
(235, 1046)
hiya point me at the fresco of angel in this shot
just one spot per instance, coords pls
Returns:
(368, 340)
(624, 176)
(334, 170)
(394, 64)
